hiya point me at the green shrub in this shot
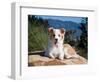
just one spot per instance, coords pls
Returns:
(37, 37)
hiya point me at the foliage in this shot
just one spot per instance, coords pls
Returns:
(70, 37)
(37, 34)
(83, 42)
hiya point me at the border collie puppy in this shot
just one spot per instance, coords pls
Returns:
(56, 47)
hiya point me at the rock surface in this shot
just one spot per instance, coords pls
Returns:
(36, 59)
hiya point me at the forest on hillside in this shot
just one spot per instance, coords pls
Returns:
(38, 35)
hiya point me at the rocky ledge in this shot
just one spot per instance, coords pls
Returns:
(37, 59)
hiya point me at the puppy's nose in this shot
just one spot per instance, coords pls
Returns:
(56, 40)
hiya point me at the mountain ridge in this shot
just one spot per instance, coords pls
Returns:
(68, 25)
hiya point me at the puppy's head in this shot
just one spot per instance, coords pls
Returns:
(56, 35)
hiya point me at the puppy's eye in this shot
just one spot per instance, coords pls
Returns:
(53, 35)
(59, 35)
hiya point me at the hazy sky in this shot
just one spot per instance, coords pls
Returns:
(63, 18)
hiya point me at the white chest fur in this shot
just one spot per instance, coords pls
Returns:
(55, 51)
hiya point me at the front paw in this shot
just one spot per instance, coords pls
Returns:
(51, 56)
(61, 57)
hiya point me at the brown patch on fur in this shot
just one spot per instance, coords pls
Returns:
(62, 36)
(71, 50)
(50, 30)
(66, 46)
(62, 31)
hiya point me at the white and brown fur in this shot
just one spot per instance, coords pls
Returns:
(56, 47)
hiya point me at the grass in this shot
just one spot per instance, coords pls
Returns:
(37, 38)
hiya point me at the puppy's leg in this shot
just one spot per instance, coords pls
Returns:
(51, 56)
(71, 56)
(76, 56)
(66, 55)
(61, 55)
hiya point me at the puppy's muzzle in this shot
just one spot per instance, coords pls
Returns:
(56, 40)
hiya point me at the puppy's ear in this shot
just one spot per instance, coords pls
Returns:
(50, 30)
(62, 30)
